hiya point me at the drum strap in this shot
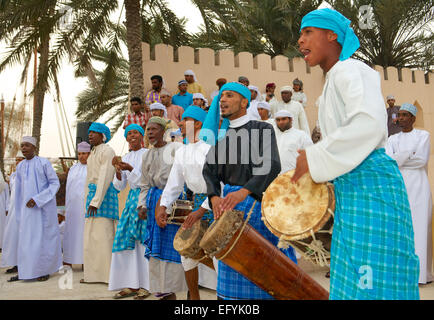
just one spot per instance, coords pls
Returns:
(241, 231)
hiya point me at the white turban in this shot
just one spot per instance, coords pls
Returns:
(198, 95)
(257, 91)
(389, 97)
(286, 88)
(264, 105)
(190, 73)
(159, 106)
(29, 139)
(283, 114)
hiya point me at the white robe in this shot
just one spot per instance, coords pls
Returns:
(411, 151)
(352, 118)
(288, 143)
(187, 168)
(130, 268)
(39, 251)
(299, 97)
(75, 213)
(10, 236)
(299, 120)
(4, 203)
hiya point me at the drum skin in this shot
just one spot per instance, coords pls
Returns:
(186, 241)
(292, 211)
(248, 252)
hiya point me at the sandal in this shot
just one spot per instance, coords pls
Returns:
(12, 270)
(142, 294)
(43, 278)
(171, 296)
(125, 293)
(327, 275)
(14, 278)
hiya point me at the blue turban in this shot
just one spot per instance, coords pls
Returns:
(194, 112)
(134, 127)
(332, 20)
(210, 129)
(409, 107)
(101, 128)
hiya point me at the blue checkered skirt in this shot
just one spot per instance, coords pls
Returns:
(130, 228)
(199, 198)
(159, 241)
(231, 285)
(109, 207)
(372, 253)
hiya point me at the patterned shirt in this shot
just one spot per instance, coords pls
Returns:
(141, 119)
(152, 96)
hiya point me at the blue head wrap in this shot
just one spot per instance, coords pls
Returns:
(101, 128)
(409, 107)
(210, 130)
(332, 20)
(134, 126)
(194, 112)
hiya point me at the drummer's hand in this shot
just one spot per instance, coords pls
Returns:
(142, 212)
(193, 217)
(92, 211)
(232, 199)
(215, 201)
(302, 166)
(161, 216)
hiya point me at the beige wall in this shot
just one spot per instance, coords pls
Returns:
(208, 66)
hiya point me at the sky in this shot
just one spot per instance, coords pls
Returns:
(70, 87)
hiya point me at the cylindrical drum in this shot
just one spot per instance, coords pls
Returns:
(245, 250)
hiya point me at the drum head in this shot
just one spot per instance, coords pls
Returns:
(291, 211)
(186, 238)
(221, 231)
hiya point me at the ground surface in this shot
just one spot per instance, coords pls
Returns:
(52, 289)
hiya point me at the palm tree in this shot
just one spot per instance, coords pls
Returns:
(32, 25)
(399, 32)
(108, 91)
(256, 26)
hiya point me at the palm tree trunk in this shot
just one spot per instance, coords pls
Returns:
(40, 89)
(134, 43)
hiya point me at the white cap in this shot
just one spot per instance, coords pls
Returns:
(390, 96)
(283, 114)
(287, 88)
(29, 139)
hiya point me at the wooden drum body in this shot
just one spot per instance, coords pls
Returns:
(180, 210)
(301, 215)
(245, 250)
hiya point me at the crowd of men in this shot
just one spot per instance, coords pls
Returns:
(176, 143)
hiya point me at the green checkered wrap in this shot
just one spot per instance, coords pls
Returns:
(372, 254)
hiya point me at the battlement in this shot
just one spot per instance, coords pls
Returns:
(406, 85)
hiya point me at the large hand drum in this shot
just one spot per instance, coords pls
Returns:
(301, 215)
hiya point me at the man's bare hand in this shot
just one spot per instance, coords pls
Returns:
(161, 216)
(193, 217)
(302, 166)
(143, 213)
(232, 199)
(31, 203)
(92, 211)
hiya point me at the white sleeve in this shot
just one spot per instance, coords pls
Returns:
(420, 156)
(302, 120)
(346, 147)
(175, 183)
(120, 184)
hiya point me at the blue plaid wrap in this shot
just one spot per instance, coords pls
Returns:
(199, 198)
(109, 207)
(159, 241)
(372, 253)
(231, 285)
(130, 228)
